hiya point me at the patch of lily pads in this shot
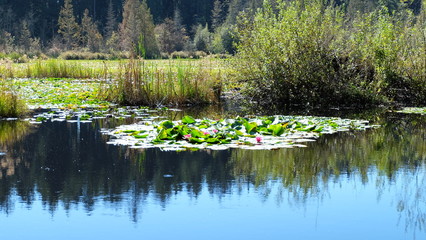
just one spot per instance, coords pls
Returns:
(87, 115)
(271, 132)
(59, 93)
(413, 110)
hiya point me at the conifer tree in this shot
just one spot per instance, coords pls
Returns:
(129, 30)
(68, 27)
(24, 39)
(91, 38)
(137, 29)
(217, 17)
(111, 23)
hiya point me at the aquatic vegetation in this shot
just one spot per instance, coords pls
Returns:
(416, 110)
(11, 104)
(87, 115)
(140, 82)
(271, 132)
(128, 82)
(60, 93)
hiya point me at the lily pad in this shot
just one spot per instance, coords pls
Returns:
(272, 132)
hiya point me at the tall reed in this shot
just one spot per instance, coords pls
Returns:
(140, 82)
(11, 105)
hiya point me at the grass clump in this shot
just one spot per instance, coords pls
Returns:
(140, 82)
(11, 105)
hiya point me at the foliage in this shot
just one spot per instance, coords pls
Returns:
(68, 27)
(91, 37)
(137, 29)
(171, 36)
(304, 53)
(202, 38)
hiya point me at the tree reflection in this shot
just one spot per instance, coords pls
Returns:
(69, 164)
(11, 132)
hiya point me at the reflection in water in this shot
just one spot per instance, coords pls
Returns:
(69, 164)
(11, 132)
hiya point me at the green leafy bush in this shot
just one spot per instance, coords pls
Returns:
(307, 53)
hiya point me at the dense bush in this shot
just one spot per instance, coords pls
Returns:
(306, 53)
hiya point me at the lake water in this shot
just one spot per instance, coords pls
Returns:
(61, 180)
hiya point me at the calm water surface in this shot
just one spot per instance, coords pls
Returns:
(60, 180)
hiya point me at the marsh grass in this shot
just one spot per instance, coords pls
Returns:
(140, 82)
(64, 69)
(11, 105)
(135, 81)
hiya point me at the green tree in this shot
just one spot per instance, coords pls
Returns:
(137, 26)
(111, 23)
(217, 14)
(202, 38)
(68, 28)
(91, 38)
(24, 37)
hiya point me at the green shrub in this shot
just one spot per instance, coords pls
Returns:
(180, 55)
(306, 53)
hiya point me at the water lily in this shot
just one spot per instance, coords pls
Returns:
(215, 130)
(206, 133)
(187, 136)
(258, 139)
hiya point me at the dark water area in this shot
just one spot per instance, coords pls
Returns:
(61, 180)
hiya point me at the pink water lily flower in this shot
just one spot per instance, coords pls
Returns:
(187, 136)
(258, 139)
(215, 130)
(206, 133)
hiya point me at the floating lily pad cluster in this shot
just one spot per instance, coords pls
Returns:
(87, 115)
(416, 110)
(60, 93)
(249, 133)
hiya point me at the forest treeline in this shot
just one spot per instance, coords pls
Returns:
(147, 28)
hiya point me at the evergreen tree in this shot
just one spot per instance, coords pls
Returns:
(91, 38)
(171, 36)
(137, 29)
(217, 16)
(202, 38)
(68, 27)
(129, 27)
(147, 30)
(24, 39)
(111, 23)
